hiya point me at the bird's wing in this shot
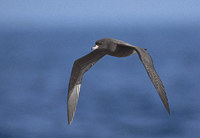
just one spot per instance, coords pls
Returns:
(148, 64)
(80, 66)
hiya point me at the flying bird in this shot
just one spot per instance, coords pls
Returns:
(112, 47)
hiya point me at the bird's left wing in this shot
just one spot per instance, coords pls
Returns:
(80, 66)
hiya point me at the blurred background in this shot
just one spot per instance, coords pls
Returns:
(40, 40)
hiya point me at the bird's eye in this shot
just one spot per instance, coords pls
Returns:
(100, 43)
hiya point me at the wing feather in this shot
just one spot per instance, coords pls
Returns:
(148, 64)
(80, 66)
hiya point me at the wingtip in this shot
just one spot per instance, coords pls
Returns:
(69, 123)
(167, 108)
(168, 111)
(68, 116)
(69, 120)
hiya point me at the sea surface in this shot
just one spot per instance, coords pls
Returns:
(117, 98)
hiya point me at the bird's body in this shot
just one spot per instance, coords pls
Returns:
(123, 51)
(116, 48)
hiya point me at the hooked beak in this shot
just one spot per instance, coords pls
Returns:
(95, 47)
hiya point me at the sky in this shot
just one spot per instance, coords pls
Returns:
(73, 13)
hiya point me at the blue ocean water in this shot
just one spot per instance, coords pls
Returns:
(117, 98)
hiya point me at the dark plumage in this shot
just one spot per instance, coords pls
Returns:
(112, 47)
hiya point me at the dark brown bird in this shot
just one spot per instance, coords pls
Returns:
(112, 47)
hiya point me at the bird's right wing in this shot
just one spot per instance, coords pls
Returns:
(80, 66)
(148, 64)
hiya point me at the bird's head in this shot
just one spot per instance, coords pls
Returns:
(106, 44)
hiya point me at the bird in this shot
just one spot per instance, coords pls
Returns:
(116, 48)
